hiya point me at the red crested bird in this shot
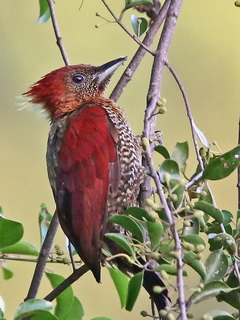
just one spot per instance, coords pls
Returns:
(93, 158)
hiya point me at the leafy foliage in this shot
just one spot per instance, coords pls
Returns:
(139, 25)
(44, 14)
(196, 216)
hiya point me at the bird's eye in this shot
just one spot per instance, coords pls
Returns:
(78, 78)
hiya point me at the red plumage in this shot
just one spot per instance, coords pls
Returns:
(85, 156)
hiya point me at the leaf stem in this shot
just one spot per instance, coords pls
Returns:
(189, 113)
(67, 282)
(118, 21)
(140, 53)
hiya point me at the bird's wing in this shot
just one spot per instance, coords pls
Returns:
(86, 160)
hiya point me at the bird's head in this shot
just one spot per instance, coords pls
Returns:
(65, 89)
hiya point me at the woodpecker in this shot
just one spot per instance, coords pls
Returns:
(93, 157)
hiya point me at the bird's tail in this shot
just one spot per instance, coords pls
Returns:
(151, 280)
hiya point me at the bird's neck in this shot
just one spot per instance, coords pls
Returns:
(110, 106)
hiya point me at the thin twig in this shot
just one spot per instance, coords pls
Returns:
(57, 33)
(67, 282)
(42, 259)
(193, 181)
(189, 113)
(50, 261)
(118, 21)
(178, 247)
(6, 258)
(140, 53)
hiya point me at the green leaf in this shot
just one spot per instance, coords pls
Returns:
(44, 15)
(139, 25)
(238, 215)
(40, 315)
(133, 290)
(232, 298)
(227, 241)
(227, 217)
(210, 210)
(7, 273)
(29, 307)
(170, 269)
(122, 241)
(138, 213)
(223, 165)
(10, 231)
(180, 155)
(208, 197)
(163, 151)
(178, 190)
(65, 299)
(44, 220)
(121, 282)
(216, 266)
(21, 247)
(155, 232)
(214, 242)
(133, 3)
(166, 249)
(169, 167)
(129, 224)
(193, 238)
(194, 228)
(191, 259)
(75, 312)
(1, 314)
(219, 315)
(211, 289)
(101, 318)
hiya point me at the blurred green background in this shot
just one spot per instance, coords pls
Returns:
(205, 53)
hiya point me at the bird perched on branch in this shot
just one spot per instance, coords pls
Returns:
(93, 158)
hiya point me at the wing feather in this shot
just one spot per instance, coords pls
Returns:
(85, 160)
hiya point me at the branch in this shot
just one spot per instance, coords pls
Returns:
(57, 32)
(67, 282)
(178, 247)
(158, 66)
(149, 129)
(189, 113)
(42, 259)
(5, 257)
(118, 21)
(156, 82)
(140, 53)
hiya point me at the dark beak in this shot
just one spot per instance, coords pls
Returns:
(105, 71)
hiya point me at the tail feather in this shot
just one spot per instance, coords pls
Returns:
(150, 280)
